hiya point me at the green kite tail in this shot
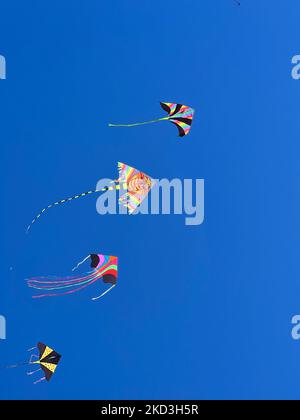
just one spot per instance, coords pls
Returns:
(140, 123)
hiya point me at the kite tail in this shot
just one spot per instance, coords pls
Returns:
(39, 380)
(60, 287)
(104, 293)
(65, 200)
(28, 362)
(140, 123)
(81, 262)
(33, 372)
(15, 365)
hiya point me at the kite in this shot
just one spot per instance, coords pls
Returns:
(135, 183)
(180, 115)
(47, 359)
(103, 266)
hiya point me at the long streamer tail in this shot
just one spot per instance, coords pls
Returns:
(104, 293)
(15, 365)
(81, 262)
(39, 380)
(28, 362)
(32, 372)
(65, 200)
(140, 123)
(60, 287)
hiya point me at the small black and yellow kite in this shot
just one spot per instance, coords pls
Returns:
(47, 359)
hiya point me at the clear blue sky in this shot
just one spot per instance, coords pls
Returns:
(199, 312)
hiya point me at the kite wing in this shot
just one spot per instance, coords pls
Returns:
(48, 360)
(180, 115)
(110, 274)
(138, 185)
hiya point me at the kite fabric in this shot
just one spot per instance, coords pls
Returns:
(135, 183)
(180, 115)
(104, 267)
(47, 359)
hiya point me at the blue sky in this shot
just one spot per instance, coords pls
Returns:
(199, 311)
